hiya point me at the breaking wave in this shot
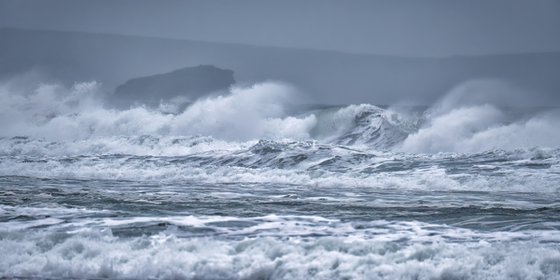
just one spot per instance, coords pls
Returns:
(264, 111)
(468, 120)
(55, 112)
(304, 163)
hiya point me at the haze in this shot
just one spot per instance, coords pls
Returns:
(334, 52)
(405, 28)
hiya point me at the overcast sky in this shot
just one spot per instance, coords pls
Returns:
(401, 27)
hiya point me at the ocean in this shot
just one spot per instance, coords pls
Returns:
(247, 186)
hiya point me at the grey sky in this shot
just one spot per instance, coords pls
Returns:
(404, 27)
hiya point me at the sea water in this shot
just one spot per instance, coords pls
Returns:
(235, 187)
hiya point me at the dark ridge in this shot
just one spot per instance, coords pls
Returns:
(187, 83)
(326, 77)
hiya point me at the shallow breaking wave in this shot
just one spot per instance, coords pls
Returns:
(304, 163)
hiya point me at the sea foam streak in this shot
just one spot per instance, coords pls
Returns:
(201, 159)
(392, 251)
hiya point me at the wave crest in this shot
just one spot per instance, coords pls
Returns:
(262, 111)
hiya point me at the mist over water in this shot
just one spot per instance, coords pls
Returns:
(480, 116)
(55, 112)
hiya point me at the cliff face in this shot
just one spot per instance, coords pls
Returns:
(187, 84)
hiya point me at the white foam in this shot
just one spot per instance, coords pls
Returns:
(407, 250)
(131, 145)
(54, 112)
(347, 168)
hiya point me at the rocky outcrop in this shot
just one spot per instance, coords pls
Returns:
(185, 84)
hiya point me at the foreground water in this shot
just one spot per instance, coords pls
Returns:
(275, 209)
